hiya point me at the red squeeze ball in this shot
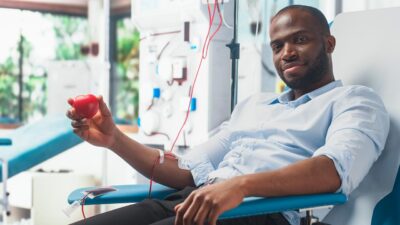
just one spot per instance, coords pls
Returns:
(86, 105)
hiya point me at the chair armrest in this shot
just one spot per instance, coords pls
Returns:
(252, 206)
(123, 194)
(5, 141)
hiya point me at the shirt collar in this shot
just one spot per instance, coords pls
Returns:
(285, 98)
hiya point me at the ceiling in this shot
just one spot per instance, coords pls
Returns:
(73, 7)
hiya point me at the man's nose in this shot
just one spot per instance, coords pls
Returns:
(289, 53)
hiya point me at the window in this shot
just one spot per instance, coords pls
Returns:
(126, 76)
(28, 42)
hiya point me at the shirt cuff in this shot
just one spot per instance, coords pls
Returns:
(343, 162)
(198, 168)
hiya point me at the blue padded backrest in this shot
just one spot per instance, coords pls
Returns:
(36, 142)
(5, 141)
(387, 211)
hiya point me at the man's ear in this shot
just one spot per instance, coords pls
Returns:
(330, 43)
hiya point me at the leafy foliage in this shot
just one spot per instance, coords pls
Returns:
(9, 87)
(66, 30)
(127, 70)
(34, 78)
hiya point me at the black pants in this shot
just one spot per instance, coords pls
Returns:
(161, 212)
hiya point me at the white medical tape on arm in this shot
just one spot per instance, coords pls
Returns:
(161, 160)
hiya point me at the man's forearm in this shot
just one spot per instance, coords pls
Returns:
(315, 175)
(143, 158)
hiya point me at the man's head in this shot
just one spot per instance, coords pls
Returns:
(302, 45)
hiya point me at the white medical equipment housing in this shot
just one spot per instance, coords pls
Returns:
(173, 34)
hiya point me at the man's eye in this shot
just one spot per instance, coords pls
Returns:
(276, 47)
(300, 39)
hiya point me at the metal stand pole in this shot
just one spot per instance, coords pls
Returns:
(234, 46)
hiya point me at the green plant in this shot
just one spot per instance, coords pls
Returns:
(127, 70)
(68, 31)
(9, 87)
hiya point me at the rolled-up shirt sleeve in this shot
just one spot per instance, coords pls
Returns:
(204, 158)
(356, 136)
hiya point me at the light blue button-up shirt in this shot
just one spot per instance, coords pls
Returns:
(348, 124)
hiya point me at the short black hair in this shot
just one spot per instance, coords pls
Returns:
(314, 12)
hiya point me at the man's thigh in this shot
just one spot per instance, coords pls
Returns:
(143, 213)
(271, 219)
(161, 212)
(268, 219)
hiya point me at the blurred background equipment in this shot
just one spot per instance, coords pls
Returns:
(173, 36)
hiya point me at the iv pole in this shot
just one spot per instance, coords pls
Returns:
(234, 47)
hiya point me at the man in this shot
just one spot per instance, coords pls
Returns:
(318, 137)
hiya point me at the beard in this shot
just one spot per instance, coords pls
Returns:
(314, 74)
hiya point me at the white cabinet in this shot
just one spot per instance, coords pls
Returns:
(45, 196)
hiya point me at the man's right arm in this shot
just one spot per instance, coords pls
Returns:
(101, 131)
(144, 159)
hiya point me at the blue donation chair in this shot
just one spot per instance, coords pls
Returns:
(367, 53)
(31, 144)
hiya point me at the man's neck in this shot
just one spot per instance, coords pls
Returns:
(297, 93)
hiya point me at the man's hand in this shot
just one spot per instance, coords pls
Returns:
(99, 130)
(205, 205)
